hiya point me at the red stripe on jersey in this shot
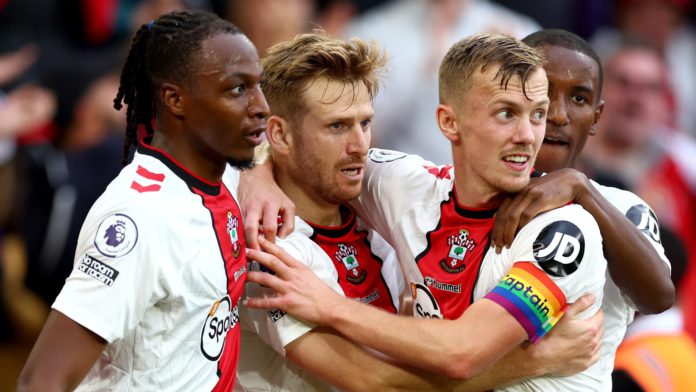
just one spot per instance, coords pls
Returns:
(359, 270)
(159, 177)
(451, 261)
(145, 188)
(227, 223)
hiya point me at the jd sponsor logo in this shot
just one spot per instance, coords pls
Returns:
(98, 270)
(559, 248)
(645, 220)
(221, 318)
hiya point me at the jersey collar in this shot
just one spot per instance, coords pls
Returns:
(336, 231)
(192, 180)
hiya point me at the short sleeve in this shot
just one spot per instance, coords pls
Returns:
(556, 258)
(115, 275)
(274, 326)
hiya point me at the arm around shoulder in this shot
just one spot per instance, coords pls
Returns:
(633, 262)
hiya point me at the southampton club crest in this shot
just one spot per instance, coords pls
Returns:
(348, 255)
(459, 244)
(232, 230)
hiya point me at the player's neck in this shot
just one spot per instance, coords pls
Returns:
(199, 164)
(309, 206)
(473, 194)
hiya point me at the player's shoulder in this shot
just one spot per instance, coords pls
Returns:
(147, 184)
(559, 240)
(573, 214)
(300, 245)
(622, 199)
(145, 193)
(634, 208)
(401, 170)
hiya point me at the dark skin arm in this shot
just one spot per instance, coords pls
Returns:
(61, 357)
(633, 263)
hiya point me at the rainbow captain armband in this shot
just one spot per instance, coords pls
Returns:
(531, 297)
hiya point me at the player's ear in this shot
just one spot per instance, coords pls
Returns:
(597, 114)
(447, 121)
(172, 98)
(279, 135)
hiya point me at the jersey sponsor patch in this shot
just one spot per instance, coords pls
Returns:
(373, 296)
(116, 236)
(645, 220)
(559, 248)
(383, 156)
(98, 270)
(424, 302)
(220, 320)
(531, 297)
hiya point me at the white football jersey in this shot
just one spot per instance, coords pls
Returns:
(159, 270)
(444, 251)
(353, 260)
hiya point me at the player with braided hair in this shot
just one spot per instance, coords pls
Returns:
(160, 264)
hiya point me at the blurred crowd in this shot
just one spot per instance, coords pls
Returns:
(61, 139)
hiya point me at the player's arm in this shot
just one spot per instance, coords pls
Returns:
(349, 367)
(62, 355)
(356, 369)
(456, 348)
(262, 201)
(633, 263)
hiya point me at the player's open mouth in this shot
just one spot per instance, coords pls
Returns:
(256, 136)
(516, 161)
(352, 171)
(555, 141)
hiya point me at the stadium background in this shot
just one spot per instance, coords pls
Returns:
(61, 140)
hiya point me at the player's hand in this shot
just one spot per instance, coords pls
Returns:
(298, 290)
(263, 203)
(545, 193)
(573, 344)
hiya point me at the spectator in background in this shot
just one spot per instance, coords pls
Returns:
(635, 146)
(56, 96)
(23, 109)
(416, 35)
(657, 354)
(267, 22)
(260, 19)
(663, 24)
